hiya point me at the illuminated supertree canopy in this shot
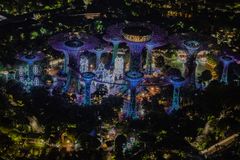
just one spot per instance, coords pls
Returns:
(136, 36)
(30, 58)
(71, 45)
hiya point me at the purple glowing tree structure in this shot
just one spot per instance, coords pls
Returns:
(226, 60)
(192, 47)
(177, 83)
(99, 50)
(136, 36)
(32, 70)
(87, 78)
(134, 78)
(72, 45)
(115, 42)
(192, 44)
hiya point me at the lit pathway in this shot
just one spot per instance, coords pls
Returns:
(220, 145)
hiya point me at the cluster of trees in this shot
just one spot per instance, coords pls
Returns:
(55, 115)
(16, 7)
(212, 117)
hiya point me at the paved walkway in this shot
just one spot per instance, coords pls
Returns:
(220, 145)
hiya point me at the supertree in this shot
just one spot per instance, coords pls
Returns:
(150, 46)
(226, 60)
(115, 42)
(133, 78)
(87, 78)
(192, 44)
(72, 45)
(192, 47)
(99, 50)
(136, 36)
(177, 83)
(33, 69)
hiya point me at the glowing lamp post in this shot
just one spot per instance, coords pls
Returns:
(133, 78)
(226, 60)
(87, 77)
(136, 38)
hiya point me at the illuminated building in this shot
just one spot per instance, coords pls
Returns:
(118, 71)
(84, 64)
(101, 72)
(30, 75)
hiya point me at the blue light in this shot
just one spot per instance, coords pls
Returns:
(177, 82)
(136, 56)
(227, 60)
(67, 85)
(87, 77)
(134, 78)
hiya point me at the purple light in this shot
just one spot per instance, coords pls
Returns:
(116, 32)
(134, 78)
(30, 59)
(116, 42)
(71, 45)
